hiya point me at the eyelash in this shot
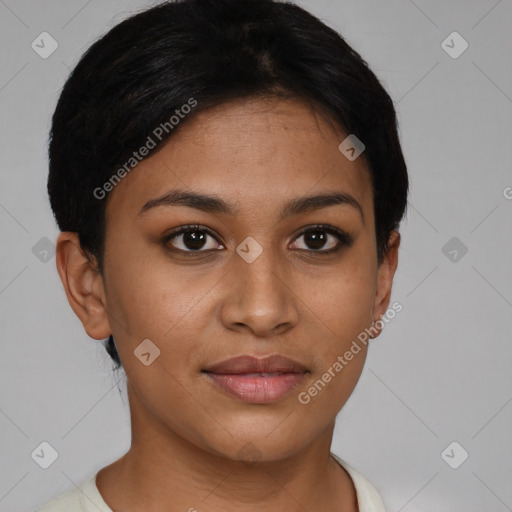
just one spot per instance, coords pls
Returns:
(345, 240)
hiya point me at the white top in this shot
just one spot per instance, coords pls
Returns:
(87, 498)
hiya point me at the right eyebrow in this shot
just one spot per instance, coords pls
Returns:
(204, 202)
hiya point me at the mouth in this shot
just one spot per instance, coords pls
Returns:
(257, 381)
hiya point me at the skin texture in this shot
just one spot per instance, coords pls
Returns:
(188, 437)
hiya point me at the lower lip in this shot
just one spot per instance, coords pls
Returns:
(256, 388)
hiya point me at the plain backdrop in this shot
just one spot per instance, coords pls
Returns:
(441, 371)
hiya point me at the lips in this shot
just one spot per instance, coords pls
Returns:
(249, 364)
(257, 380)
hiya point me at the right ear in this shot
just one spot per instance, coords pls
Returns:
(83, 284)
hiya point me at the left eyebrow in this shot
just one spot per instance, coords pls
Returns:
(214, 204)
(310, 203)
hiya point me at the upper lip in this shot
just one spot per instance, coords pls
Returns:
(251, 364)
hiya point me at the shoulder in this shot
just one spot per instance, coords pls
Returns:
(368, 498)
(84, 498)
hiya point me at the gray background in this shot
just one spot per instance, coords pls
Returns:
(441, 371)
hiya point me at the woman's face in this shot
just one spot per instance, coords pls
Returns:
(246, 281)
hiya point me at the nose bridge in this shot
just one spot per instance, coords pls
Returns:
(261, 276)
(260, 298)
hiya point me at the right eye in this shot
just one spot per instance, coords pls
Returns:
(192, 239)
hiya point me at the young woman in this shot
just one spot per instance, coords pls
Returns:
(229, 183)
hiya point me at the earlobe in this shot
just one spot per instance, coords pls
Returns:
(83, 285)
(385, 280)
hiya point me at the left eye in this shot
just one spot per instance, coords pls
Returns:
(319, 240)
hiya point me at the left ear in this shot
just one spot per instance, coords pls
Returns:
(385, 278)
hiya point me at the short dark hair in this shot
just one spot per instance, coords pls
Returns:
(136, 76)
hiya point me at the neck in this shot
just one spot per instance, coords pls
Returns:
(163, 471)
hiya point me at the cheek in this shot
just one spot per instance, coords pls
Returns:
(340, 308)
(340, 313)
(343, 300)
(148, 305)
(142, 301)
(148, 298)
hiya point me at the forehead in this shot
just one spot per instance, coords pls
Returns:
(252, 153)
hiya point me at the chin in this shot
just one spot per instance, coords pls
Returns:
(266, 445)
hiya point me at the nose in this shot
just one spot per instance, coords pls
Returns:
(260, 300)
